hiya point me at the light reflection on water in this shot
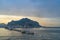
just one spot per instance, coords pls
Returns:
(40, 34)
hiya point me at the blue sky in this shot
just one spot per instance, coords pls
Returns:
(38, 8)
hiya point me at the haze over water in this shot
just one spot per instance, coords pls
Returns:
(39, 34)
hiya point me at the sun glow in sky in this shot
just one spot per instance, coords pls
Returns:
(42, 21)
(46, 12)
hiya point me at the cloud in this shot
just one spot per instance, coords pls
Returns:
(38, 8)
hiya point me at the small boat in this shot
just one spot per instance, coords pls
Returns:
(27, 32)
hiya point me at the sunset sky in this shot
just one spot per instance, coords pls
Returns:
(46, 12)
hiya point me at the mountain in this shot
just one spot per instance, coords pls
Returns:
(23, 23)
(2, 25)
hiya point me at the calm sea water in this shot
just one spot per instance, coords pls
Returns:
(39, 34)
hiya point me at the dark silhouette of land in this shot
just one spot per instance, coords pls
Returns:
(23, 23)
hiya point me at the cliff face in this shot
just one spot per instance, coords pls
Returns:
(23, 23)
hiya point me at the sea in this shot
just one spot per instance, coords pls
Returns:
(39, 34)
